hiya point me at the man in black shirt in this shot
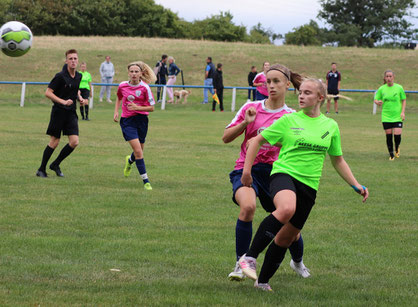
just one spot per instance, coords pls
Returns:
(218, 87)
(63, 90)
(251, 77)
(161, 72)
(333, 86)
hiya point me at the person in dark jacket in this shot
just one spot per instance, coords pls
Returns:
(251, 77)
(218, 87)
(161, 73)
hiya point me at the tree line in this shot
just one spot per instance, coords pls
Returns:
(351, 23)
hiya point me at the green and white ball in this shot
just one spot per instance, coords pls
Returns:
(15, 38)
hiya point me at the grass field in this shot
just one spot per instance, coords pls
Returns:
(174, 246)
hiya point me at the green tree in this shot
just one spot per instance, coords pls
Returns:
(365, 22)
(306, 35)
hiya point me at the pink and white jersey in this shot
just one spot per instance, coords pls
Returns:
(261, 78)
(264, 118)
(139, 94)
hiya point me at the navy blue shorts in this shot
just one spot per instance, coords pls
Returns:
(261, 184)
(134, 127)
(259, 96)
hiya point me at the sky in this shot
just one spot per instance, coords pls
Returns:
(281, 16)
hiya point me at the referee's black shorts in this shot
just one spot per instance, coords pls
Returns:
(305, 196)
(62, 120)
(333, 91)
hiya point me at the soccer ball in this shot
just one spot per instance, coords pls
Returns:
(15, 38)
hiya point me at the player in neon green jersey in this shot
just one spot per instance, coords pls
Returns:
(305, 137)
(85, 87)
(392, 98)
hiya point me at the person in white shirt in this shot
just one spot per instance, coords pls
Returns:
(107, 71)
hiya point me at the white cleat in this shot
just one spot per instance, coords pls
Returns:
(300, 268)
(248, 266)
(265, 287)
(236, 274)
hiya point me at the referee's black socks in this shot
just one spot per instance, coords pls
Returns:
(266, 232)
(65, 152)
(45, 157)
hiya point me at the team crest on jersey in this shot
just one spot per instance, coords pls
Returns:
(131, 98)
(138, 93)
(261, 129)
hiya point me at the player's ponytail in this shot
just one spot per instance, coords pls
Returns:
(148, 75)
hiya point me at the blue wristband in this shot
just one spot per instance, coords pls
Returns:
(357, 190)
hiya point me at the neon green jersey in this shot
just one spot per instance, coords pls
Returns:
(305, 141)
(85, 80)
(392, 97)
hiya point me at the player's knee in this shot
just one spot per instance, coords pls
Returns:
(73, 143)
(248, 210)
(284, 241)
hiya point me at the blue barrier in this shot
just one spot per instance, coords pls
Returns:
(234, 89)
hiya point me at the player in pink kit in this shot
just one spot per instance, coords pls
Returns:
(251, 119)
(260, 82)
(137, 101)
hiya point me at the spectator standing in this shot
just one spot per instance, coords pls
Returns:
(209, 71)
(260, 82)
(107, 72)
(251, 77)
(333, 86)
(173, 71)
(161, 72)
(218, 87)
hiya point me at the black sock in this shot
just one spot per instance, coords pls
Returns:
(296, 250)
(274, 257)
(65, 152)
(389, 143)
(45, 157)
(397, 141)
(132, 158)
(266, 232)
(86, 110)
(82, 112)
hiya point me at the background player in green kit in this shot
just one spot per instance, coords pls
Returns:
(305, 137)
(85, 87)
(392, 98)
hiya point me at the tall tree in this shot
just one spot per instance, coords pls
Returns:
(365, 22)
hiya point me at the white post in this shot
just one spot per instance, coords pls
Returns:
(22, 95)
(374, 105)
(91, 98)
(164, 97)
(234, 95)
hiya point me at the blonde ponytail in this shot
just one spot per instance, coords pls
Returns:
(148, 75)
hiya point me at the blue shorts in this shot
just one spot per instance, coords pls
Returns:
(261, 184)
(259, 96)
(134, 127)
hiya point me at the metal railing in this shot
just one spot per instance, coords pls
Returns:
(164, 97)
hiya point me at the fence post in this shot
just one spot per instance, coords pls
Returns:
(22, 95)
(91, 98)
(234, 95)
(374, 105)
(164, 97)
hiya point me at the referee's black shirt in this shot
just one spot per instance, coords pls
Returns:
(66, 87)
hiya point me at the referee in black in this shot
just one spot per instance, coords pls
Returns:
(63, 90)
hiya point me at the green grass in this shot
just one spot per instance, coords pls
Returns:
(175, 246)
(59, 237)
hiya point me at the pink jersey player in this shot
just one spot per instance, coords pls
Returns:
(261, 78)
(139, 94)
(265, 117)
